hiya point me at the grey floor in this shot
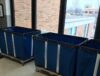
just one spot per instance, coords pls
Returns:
(11, 68)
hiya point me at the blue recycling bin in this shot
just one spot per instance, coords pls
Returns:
(57, 53)
(88, 59)
(17, 42)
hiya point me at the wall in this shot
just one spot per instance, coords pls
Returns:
(48, 15)
(3, 21)
(23, 13)
(6, 20)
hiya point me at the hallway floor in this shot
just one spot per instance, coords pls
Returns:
(11, 68)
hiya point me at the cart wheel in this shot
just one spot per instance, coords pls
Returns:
(37, 70)
(1, 56)
(22, 63)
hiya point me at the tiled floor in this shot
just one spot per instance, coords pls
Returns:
(11, 68)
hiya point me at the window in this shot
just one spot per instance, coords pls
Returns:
(81, 17)
(23, 13)
(48, 15)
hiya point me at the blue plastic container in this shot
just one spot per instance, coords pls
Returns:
(17, 42)
(57, 53)
(88, 61)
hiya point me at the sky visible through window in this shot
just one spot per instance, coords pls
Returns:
(83, 3)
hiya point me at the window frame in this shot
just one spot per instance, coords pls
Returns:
(62, 15)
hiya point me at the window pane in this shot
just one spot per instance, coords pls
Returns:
(48, 15)
(23, 13)
(82, 15)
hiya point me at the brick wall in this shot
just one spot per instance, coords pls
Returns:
(48, 15)
(23, 13)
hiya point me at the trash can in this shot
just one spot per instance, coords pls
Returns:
(17, 42)
(56, 53)
(88, 59)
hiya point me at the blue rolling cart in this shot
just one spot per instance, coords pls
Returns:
(57, 53)
(17, 43)
(88, 61)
